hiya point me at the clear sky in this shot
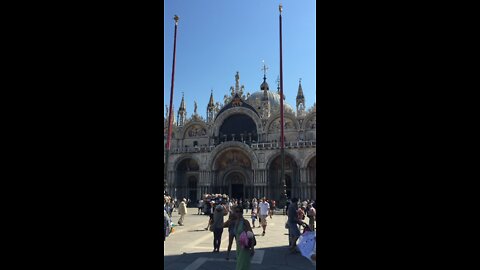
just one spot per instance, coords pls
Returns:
(217, 38)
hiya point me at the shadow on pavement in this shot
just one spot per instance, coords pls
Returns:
(274, 258)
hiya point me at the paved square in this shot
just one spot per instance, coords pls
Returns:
(190, 247)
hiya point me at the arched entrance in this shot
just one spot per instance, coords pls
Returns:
(275, 185)
(186, 182)
(312, 178)
(236, 184)
(192, 188)
(233, 171)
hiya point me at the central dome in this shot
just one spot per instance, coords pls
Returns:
(255, 100)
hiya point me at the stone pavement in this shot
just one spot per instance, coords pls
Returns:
(190, 247)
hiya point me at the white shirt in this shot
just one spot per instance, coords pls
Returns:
(264, 207)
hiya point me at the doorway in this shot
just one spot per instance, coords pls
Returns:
(237, 186)
(237, 191)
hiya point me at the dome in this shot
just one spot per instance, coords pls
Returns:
(255, 100)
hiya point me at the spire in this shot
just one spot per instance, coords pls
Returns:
(300, 90)
(182, 103)
(182, 112)
(264, 85)
(211, 108)
(300, 99)
(211, 103)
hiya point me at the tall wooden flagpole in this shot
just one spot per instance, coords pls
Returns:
(282, 142)
(170, 113)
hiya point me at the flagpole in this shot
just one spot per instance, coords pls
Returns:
(170, 113)
(282, 142)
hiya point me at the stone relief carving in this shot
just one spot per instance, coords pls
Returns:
(196, 131)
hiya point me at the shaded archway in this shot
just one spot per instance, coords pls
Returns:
(233, 173)
(275, 185)
(186, 180)
(312, 178)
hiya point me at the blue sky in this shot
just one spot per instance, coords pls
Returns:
(217, 38)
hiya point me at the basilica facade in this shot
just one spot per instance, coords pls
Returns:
(235, 150)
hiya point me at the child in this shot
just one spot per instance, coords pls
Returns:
(254, 216)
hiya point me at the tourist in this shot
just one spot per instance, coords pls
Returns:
(171, 207)
(254, 216)
(217, 225)
(244, 255)
(200, 207)
(247, 205)
(182, 211)
(311, 213)
(272, 207)
(209, 213)
(166, 225)
(263, 207)
(230, 206)
(292, 223)
(255, 204)
(231, 233)
(301, 214)
(287, 204)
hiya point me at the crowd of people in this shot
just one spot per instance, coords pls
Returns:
(220, 206)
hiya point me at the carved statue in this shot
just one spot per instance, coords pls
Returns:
(248, 94)
(225, 99)
(232, 91)
(195, 107)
